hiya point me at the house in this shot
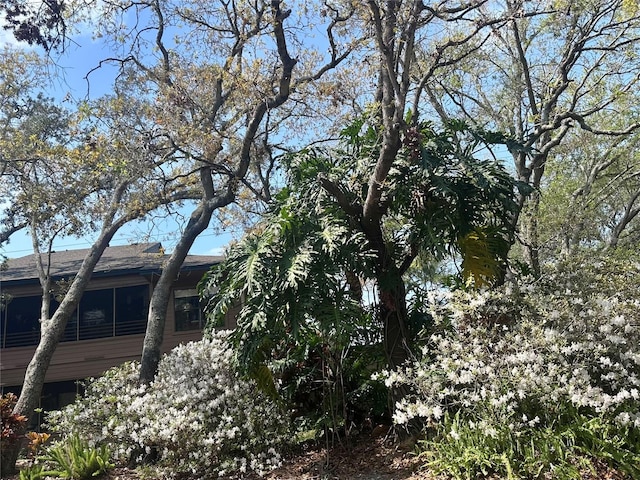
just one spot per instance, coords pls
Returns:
(107, 328)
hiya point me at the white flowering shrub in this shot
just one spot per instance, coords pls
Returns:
(102, 416)
(512, 382)
(197, 418)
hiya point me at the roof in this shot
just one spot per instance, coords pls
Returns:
(138, 258)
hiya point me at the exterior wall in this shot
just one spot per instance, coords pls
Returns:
(87, 358)
(80, 359)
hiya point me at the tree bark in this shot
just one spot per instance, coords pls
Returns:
(8, 230)
(52, 331)
(529, 228)
(159, 303)
(393, 314)
(630, 212)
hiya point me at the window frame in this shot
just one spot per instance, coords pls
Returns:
(73, 329)
(189, 294)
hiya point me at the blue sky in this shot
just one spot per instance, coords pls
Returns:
(83, 54)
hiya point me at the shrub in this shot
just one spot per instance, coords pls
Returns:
(36, 441)
(198, 417)
(13, 426)
(103, 416)
(71, 458)
(523, 382)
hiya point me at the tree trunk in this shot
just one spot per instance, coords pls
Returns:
(210, 202)
(392, 311)
(529, 230)
(527, 219)
(159, 303)
(393, 315)
(51, 333)
(630, 212)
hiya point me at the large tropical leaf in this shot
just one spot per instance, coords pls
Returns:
(482, 254)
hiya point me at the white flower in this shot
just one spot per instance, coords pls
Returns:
(212, 406)
(623, 418)
(437, 412)
(490, 432)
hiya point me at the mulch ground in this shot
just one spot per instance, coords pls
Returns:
(365, 458)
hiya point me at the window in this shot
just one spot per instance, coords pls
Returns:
(132, 307)
(101, 313)
(22, 316)
(56, 395)
(188, 311)
(96, 314)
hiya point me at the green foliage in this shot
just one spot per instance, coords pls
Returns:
(73, 458)
(591, 187)
(481, 251)
(35, 472)
(563, 449)
(299, 276)
(299, 313)
(439, 193)
(597, 437)
(42, 25)
(292, 272)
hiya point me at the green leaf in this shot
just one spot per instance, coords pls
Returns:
(264, 380)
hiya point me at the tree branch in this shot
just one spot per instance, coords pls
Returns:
(350, 208)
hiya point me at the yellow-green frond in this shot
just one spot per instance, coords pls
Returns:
(480, 260)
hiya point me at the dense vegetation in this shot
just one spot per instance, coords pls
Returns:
(440, 204)
(215, 423)
(537, 377)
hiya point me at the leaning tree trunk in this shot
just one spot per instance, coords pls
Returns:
(630, 212)
(159, 303)
(52, 331)
(212, 201)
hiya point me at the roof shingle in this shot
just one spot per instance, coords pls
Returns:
(128, 259)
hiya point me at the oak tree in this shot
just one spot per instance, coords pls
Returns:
(68, 177)
(553, 67)
(217, 81)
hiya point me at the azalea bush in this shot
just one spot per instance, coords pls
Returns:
(198, 417)
(533, 377)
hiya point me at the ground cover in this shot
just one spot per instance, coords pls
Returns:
(367, 458)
